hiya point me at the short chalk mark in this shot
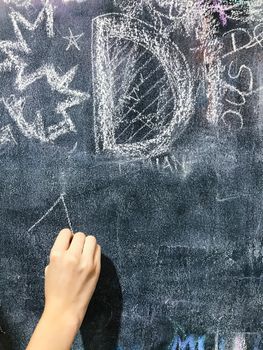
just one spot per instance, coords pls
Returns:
(66, 210)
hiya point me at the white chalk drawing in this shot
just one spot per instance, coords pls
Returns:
(7, 139)
(235, 97)
(185, 15)
(77, 1)
(73, 148)
(255, 11)
(19, 3)
(190, 18)
(242, 81)
(57, 82)
(238, 36)
(132, 115)
(73, 40)
(239, 342)
(61, 199)
(9, 47)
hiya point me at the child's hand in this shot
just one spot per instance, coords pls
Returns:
(71, 276)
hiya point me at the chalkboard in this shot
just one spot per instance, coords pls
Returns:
(139, 122)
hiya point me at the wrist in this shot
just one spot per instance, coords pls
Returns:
(54, 332)
(62, 323)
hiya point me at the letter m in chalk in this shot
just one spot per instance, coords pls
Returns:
(190, 343)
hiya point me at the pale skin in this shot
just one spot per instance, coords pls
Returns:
(70, 280)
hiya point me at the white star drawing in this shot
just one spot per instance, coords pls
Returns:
(73, 40)
(8, 47)
(57, 82)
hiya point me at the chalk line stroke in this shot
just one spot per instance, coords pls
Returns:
(6, 137)
(254, 38)
(19, 3)
(77, 1)
(171, 64)
(59, 83)
(46, 13)
(60, 199)
(9, 47)
(231, 198)
(73, 40)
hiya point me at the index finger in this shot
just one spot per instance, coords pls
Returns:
(63, 240)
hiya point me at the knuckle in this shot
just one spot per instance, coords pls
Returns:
(89, 266)
(55, 255)
(92, 238)
(93, 268)
(72, 259)
(82, 267)
(98, 255)
(65, 231)
(91, 271)
(80, 235)
(98, 267)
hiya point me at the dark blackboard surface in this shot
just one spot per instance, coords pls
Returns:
(173, 195)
